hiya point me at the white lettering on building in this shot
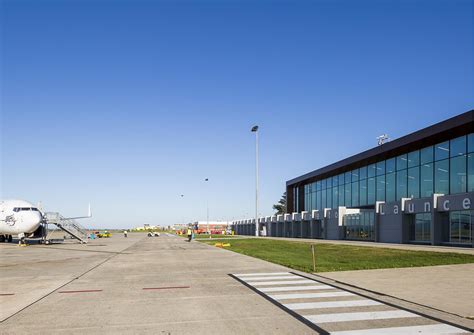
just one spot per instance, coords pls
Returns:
(427, 207)
(466, 203)
(411, 207)
(445, 205)
(395, 209)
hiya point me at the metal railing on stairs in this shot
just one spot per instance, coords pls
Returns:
(70, 226)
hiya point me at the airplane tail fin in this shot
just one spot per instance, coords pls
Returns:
(89, 215)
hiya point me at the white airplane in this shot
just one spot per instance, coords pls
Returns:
(18, 217)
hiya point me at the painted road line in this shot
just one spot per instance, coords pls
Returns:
(295, 288)
(412, 330)
(289, 276)
(80, 291)
(165, 288)
(266, 283)
(311, 295)
(343, 317)
(332, 304)
(261, 274)
(343, 299)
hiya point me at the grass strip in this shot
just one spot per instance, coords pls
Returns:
(338, 257)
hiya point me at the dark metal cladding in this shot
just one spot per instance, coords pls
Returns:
(455, 126)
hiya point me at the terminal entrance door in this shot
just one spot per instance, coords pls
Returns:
(420, 228)
(359, 226)
(459, 228)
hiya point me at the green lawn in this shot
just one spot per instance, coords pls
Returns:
(214, 236)
(338, 257)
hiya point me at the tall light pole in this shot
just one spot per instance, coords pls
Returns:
(182, 215)
(255, 130)
(207, 208)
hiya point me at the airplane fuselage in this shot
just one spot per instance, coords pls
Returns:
(18, 217)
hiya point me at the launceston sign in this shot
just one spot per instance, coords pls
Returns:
(443, 204)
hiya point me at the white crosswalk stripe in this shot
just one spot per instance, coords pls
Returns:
(439, 328)
(310, 295)
(268, 283)
(295, 288)
(337, 311)
(246, 275)
(290, 276)
(342, 317)
(332, 304)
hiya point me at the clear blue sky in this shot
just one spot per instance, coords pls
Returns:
(128, 104)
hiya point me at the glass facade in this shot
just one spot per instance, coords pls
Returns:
(441, 176)
(370, 191)
(470, 172)
(457, 174)
(441, 151)
(426, 180)
(296, 199)
(390, 187)
(446, 168)
(402, 184)
(420, 228)
(359, 226)
(363, 192)
(380, 189)
(390, 165)
(414, 158)
(413, 182)
(461, 227)
(355, 194)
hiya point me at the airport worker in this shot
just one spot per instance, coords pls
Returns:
(190, 234)
(125, 233)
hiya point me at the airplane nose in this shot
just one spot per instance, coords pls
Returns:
(34, 219)
(38, 218)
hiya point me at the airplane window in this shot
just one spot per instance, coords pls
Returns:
(18, 209)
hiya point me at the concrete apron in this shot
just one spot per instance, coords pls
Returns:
(135, 285)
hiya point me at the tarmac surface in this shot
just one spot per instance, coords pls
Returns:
(165, 285)
(449, 288)
(134, 285)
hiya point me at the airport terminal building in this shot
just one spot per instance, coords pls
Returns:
(416, 189)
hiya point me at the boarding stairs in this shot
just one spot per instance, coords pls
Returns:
(70, 226)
